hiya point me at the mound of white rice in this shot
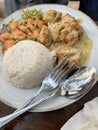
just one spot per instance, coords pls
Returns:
(26, 64)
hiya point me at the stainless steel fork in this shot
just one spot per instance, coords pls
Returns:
(52, 81)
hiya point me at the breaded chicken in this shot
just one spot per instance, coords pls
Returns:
(69, 37)
(73, 53)
(55, 30)
(52, 16)
(71, 31)
(45, 36)
(66, 30)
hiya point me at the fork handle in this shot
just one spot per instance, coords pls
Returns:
(5, 120)
(30, 100)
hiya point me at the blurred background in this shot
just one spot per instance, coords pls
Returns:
(72, 3)
(1, 8)
(90, 7)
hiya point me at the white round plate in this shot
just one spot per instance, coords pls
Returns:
(77, 120)
(16, 97)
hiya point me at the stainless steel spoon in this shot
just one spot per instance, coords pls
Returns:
(79, 83)
(84, 78)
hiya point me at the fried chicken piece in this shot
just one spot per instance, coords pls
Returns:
(55, 30)
(45, 36)
(69, 37)
(68, 19)
(52, 16)
(66, 30)
(71, 31)
(73, 53)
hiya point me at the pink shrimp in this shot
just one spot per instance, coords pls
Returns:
(14, 25)
(35, 34)
(24, 29)
(7, 45)
(18, 34)
(38, 22)
(5, 36)
(30, 25)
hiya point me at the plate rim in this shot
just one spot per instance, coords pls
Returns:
(71, 119)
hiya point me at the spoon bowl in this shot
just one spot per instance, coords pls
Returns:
(79, 83)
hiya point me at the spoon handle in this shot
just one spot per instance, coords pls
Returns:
(28, 101)
(5, 120)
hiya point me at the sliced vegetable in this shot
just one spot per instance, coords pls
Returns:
(32, 14)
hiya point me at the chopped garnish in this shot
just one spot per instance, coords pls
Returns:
(32, 14)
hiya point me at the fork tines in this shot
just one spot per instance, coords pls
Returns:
(63, 69)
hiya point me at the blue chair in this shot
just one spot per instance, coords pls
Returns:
(90, 7)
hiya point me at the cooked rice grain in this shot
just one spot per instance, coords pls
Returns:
(26, 64)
